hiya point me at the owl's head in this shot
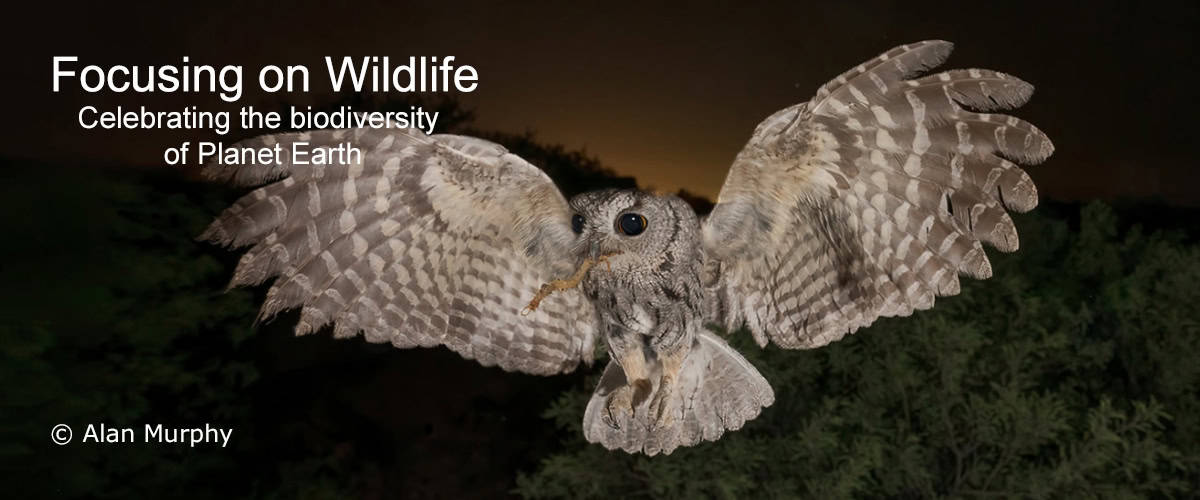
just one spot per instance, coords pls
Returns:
(651, 232)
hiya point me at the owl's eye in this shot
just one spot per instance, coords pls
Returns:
(577, 223)
(631, 224)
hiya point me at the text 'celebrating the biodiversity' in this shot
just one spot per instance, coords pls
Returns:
(357, 75)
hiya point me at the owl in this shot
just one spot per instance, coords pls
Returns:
(869, 200)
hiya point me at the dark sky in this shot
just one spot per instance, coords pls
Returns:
(667, 94)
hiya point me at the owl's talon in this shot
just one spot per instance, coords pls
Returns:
(660, 409)
(609, 419)
(622, 403)
(618, 405)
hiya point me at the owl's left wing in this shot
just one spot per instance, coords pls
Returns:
(425, 240)
(870, 199)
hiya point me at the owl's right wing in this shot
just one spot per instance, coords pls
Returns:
(870, 199)
(426, 240)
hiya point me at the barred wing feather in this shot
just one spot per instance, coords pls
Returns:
(870, 199)
(428, 240)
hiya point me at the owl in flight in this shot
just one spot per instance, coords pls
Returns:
(866, 201)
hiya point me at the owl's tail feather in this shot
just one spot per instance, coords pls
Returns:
(717, 390)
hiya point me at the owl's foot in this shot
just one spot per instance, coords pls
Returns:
(662, 407)
(621, 404)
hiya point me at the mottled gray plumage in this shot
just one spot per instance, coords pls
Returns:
(866, 201)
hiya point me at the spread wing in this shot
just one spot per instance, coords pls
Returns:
(871, 198)
(424, 241)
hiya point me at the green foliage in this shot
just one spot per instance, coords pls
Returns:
(1071, 373)
(119, 315)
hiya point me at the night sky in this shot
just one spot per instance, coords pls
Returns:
(667, 94)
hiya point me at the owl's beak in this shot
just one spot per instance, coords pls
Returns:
(593, 250)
